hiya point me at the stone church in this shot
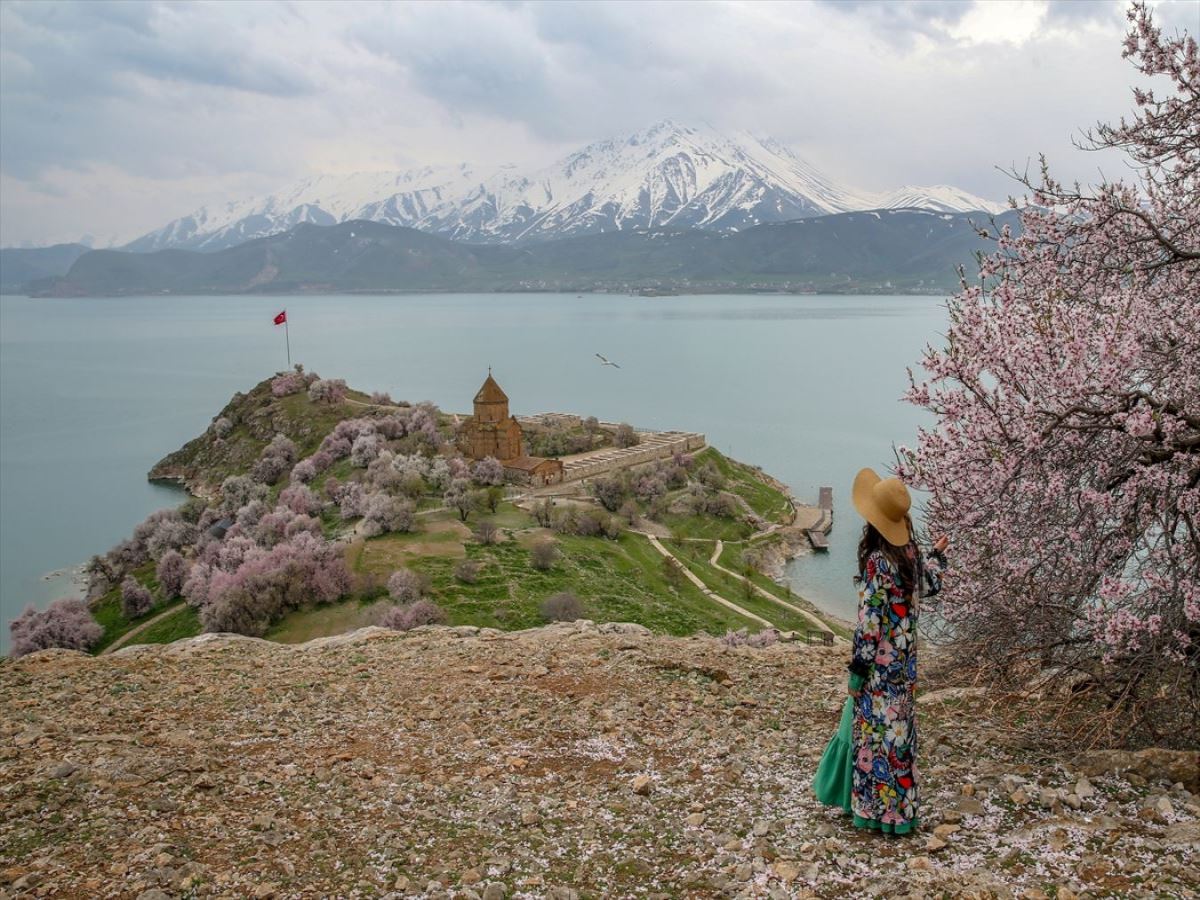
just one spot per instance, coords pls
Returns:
(492, 431)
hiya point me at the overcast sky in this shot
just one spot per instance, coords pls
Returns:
(117, 117)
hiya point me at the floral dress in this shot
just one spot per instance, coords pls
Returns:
(870, 766)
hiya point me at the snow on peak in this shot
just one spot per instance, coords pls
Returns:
(669, 175)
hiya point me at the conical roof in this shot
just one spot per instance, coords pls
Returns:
(490, 392)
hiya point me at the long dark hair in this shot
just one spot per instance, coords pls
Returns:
(901, 560)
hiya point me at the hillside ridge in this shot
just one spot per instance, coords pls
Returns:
(571, 761)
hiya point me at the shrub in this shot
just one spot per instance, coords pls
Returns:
(246, 587)
(590, 523)
(626, 436)
(381, 398)
(269, 469)
(486, 532)
(136, 598)
(327, 390)
(238, 490)
(171, 573)
(407, 586)
(163, 530)
(287, 384)
(65, 623)
(566, 520)
(413, 615)
(222, 427)
(562, 607)
(611, 490)
(544, 555)
(630, 512)
(364, 450)
(488, 471)
(543, 512)
(299, 499)
(459, 497)
(492, 497)
(304, 471)
(383, 513)
(710, 476)
(467, 570)
(351, 499)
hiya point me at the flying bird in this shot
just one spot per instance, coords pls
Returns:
(606, 362)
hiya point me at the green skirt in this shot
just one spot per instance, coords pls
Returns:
(834, 782)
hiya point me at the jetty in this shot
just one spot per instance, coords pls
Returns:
(818, 535)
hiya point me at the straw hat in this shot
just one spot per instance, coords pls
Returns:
(884, 502)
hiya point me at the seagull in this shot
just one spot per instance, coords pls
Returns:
(607, 362)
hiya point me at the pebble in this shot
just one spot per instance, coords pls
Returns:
(642, 784)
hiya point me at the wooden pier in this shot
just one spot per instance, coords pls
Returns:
(818, 535)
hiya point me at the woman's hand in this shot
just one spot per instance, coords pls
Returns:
(941, 544)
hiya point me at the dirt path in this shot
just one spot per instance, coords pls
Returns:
(767, 595)
(703, 588)
(134, 632)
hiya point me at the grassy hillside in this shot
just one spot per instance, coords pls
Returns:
(619, 577)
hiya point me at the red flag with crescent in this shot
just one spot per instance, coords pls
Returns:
(281, 318)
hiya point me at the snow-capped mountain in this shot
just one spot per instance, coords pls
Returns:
(668, 176)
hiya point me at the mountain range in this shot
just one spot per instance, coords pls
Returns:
(900, 251)
(669, 176)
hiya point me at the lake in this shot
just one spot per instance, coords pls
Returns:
(94, 391)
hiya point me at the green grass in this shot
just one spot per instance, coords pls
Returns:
(708, 527)
(107, 610)
(617, 581)
(326, 619)
(695, 556)
(184, 622)
(749, 484)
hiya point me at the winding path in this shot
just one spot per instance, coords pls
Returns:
(764, 593)
(134, 632)
(704, 588)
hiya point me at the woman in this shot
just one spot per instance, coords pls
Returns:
(870, 766)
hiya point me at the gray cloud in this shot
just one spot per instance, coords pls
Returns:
(120, 116)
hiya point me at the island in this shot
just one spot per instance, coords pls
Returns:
(316, 509)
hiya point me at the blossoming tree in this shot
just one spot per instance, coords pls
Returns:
(1065, 458)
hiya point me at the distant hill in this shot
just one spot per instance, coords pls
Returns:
(903, 250)
(19, 265)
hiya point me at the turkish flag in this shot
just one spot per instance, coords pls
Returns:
(281, 318)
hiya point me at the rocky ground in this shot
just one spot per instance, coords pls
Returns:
(571, 761)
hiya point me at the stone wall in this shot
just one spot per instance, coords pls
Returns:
(654, 445)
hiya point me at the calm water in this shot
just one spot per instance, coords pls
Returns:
(94, 391)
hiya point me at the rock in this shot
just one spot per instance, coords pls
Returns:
(969, 806)
(1183, 833)
(496, 890)
(1157, 808)
(154, 894)
(920, 864)
(695, 820)
(1084, 789)
(1154, 764)
(762, 828)
(642, 785)
(1047, 798)
(64, 770)
(945, 830)
(786, 870)
(529, 816)
(934, 843)
(1019, 797)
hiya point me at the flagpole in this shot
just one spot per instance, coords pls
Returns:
(287, 337)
